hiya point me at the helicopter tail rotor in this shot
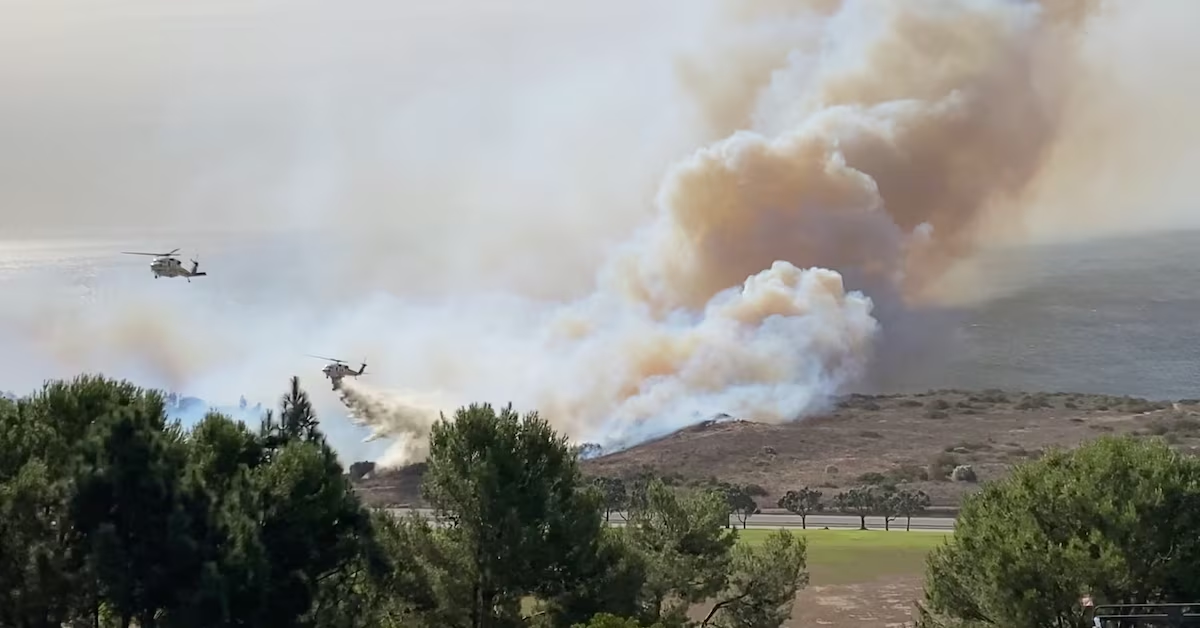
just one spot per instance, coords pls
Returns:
(195, 272)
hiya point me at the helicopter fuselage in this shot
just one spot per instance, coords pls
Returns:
(171, 267)
(165, 265)
(336, 371)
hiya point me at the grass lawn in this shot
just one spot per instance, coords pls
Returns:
(856, 578)
(855, 556)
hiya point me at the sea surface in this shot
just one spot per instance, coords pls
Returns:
(1118, 316)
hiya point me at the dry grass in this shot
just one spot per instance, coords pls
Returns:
(886, 602)
(911, 439)
(915, 439)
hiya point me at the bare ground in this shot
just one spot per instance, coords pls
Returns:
(916, 439)
(886, 602)
(883, 603)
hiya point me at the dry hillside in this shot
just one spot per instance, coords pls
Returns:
(912, 438)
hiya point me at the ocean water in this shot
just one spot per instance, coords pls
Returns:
(1118, 316)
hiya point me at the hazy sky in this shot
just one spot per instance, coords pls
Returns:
(390, 113)
(443, 136)
(415, 116)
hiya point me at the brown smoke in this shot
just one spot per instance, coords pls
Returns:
(934, 122)
(885, 141)
(1126, 151)
(132, 338)
(726, 79)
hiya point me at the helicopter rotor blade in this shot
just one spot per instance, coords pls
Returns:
(171, 254)
(325, 358)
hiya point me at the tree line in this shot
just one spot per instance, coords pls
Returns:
(885, 500)
(110, 515)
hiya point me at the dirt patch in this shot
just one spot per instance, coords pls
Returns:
(883, 603)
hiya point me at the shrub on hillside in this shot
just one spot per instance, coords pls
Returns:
(872, 478)
(964, 473)
(754, 490)
(1140, 406)
(907, 473)
(360, 470)
(989, 396)
(942, 466)
(1034, 402)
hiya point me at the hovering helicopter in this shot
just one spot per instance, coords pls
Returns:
(339, 369)
(165, 265)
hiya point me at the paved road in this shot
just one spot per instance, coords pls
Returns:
(773, 521)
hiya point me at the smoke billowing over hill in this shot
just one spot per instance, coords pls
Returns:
(568, 247)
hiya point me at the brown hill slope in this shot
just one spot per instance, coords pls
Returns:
(917, 439)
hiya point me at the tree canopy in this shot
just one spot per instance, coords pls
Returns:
(113, 516)
(1115, 519)
(512, 495)
(803, 502)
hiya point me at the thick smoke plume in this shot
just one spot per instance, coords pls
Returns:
(884, 142)
(854, 158)
(878, 145)
(772, 349)
(609, 372)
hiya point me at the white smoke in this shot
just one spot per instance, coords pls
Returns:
(870, 153)
(606, 371)
(886, 141)
(773, 349)
(404, 419)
